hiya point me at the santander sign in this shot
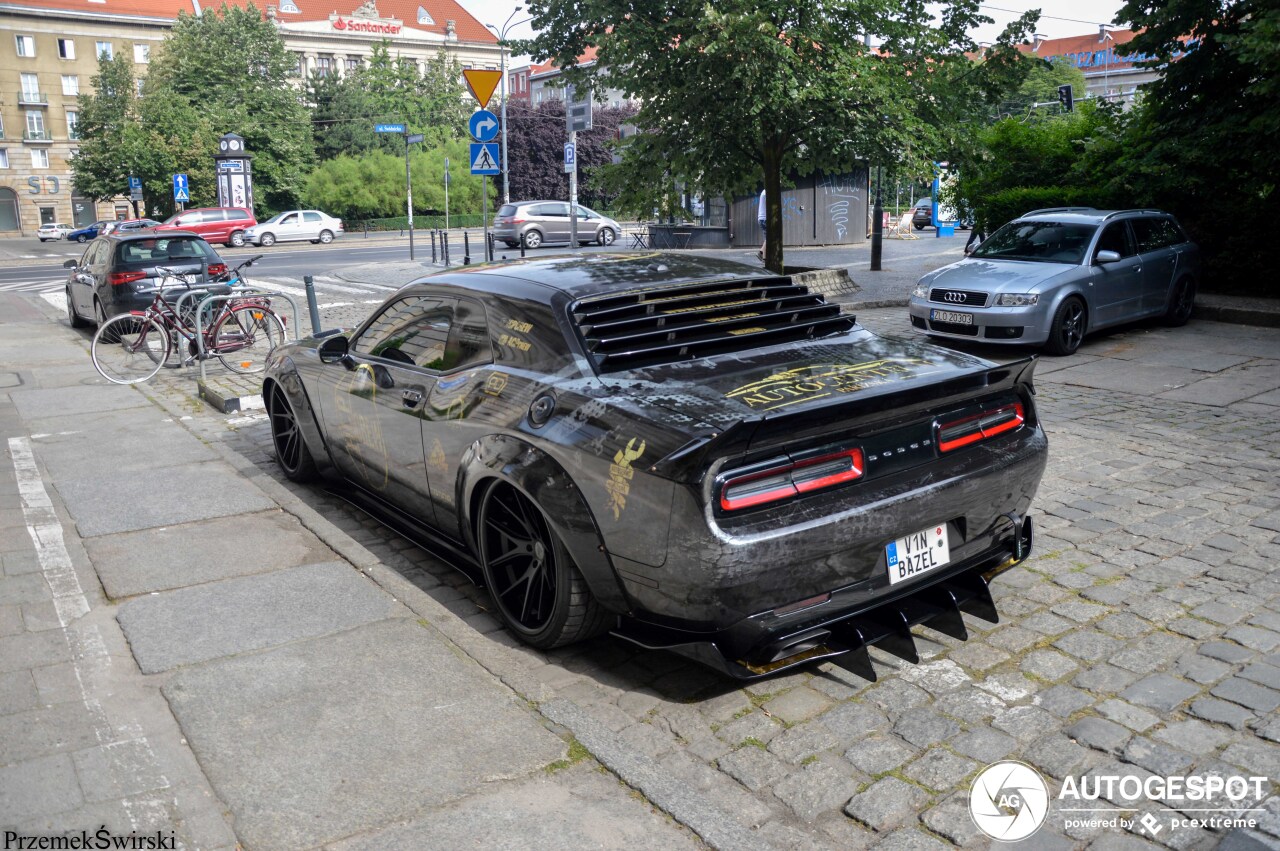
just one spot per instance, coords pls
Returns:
(355, 25)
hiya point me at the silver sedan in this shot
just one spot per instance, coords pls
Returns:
(1052, 276)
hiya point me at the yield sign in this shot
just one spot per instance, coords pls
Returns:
(482, 83)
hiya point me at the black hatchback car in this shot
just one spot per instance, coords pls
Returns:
(122, 271)
(690, 453)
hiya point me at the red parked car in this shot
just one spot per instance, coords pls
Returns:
(216, 224)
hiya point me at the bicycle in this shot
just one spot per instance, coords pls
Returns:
(240, 332)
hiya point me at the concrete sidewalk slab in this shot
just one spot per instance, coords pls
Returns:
(1232, 385)
(100, 444)
(67, 401)
(250, 613)
(1135, 378)
(578, 807)
(365, 727)
(135, 563)
(162, 497)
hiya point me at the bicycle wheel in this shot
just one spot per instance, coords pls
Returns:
(245, 336)
(128, 349)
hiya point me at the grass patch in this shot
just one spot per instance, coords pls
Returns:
(577, 753)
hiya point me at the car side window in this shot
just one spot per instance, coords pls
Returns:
(311, 217)
(290, 219)
(97, 254)
(584, 213)
(1116, 237)
(468, 343)
(235, 215)
(1152, 234)
(411, 331)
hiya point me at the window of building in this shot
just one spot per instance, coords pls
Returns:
(31, 88)
(297, 65)
(4, 158)
(47, 215)
(353, 63)
(73, 118)
(70, 84)
(104, 50)
(35, 124)
(137, 86)
(324, 65)
(66, 48)
(142, 53)
(26, 45)
(39, 158)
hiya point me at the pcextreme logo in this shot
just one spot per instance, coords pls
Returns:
(1009, 801)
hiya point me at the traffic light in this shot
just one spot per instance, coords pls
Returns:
(1064, 95)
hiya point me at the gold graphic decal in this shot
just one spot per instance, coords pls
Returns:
(495, 384)
(515, 342)
(519, 327)
(620, 474)
(807, 383)
(436, 459)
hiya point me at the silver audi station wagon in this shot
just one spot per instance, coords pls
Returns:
(1052, 276)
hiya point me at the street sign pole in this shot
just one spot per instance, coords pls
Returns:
(573, 193)
(484, 206)
(446, 197)
(408, 185)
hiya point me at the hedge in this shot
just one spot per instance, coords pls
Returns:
(1009, 204)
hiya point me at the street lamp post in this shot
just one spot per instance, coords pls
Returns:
(502, 45)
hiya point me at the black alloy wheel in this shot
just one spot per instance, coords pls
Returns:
(1067, 332)
(1182, 305)
(539, 593)
(291, 449)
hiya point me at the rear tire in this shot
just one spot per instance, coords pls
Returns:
(538, 591)
(292, 453)
(1067, 331)
(533, 239)
(326, 237)
(236, 240)
(1181, 304)
(129, 349)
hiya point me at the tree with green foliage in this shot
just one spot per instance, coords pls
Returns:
(387, 89)
(1201, 143)
(371, 185)
(740, 91)
(230, 66)
(110, 137)
(1044, 76)
(535, 156)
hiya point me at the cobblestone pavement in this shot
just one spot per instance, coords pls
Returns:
(1142, 638)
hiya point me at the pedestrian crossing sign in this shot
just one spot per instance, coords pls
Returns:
(484, 158)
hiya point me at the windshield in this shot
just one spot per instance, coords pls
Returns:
(277, 217)
(1038, 242)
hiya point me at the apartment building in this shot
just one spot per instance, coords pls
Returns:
(49, 53)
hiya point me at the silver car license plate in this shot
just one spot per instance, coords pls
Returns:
(949, 316)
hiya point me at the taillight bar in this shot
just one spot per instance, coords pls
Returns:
(217, 268)
(117, 279)
(791, 479)
(987, 424)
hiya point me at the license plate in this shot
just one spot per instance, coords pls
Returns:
(948, 316)
(918, 553)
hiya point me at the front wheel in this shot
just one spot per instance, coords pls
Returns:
(326, 237)
(245, 337)
(607, 236)
(268, 240)
(539, 593)
(82, 239)
(237, 239)
(532, 239)
(1067, 331)
(291, 449)
(129, 349)
(1182, 304)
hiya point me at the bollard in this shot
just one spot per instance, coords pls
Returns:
(489, 245)
(366, 230)
(444, 238)
(521, 245)
(466, 248)
(433, 247)
(314, 308)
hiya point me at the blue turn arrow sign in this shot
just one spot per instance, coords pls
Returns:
(483, 125)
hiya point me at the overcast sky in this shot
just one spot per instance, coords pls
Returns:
(1058, 17)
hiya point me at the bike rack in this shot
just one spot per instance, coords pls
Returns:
(201, 354)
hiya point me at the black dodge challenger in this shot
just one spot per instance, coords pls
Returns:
(690, 453)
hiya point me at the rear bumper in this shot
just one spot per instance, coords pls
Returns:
(840, 630)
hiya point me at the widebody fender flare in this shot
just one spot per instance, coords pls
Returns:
(544, 480)
(286, 376)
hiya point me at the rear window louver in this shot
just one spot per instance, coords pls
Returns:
(669, 324)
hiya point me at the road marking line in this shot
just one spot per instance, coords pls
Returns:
(91, 660)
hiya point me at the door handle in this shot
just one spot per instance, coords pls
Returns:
(411, 398)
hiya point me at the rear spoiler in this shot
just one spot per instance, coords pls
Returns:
(885, 405)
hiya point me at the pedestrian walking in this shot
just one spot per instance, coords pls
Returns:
(763, 216)
(977, 236)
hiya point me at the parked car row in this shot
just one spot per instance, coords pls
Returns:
(231, 226)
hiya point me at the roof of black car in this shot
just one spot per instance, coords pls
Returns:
(148, 233)
(587, 275)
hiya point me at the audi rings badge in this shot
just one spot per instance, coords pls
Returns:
(954, 297)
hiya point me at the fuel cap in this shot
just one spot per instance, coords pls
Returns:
(541, 409)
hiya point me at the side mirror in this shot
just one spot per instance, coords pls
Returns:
(70, 264)
(1107, 257)
(333, 349)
